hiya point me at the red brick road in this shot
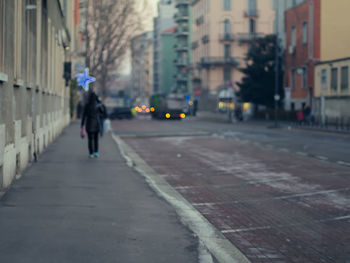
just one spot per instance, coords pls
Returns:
(273, 206)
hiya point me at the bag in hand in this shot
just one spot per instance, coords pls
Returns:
(83, 132)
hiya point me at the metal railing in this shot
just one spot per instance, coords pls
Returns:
(219, 61)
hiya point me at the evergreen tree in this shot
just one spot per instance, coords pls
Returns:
(258, 84)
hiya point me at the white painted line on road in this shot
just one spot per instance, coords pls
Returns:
(343, 163)
(312, 193)
(323, 158)
(284, 150)
(222, 249)
(245, 229)
(283, 226)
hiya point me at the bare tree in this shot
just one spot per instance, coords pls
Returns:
(110, 26)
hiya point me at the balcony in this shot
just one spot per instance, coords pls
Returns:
(181, 47)
(251, 13)
(182, 2)
(181, 17)
(181, 77)
(181, 32)
(227, 37)
(181, 62)
(248, 37)
(219, 61)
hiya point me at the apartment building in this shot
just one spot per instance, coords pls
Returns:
(142, 67)
(302, 29)
(168, 56)
(183, 18)
(332, 88)
(34, 99)
(164, 21)
(315, 36)
(222, 33)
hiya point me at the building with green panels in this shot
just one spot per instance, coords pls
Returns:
(183, 19)
(168, 55)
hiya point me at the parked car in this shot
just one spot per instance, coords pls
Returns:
(121, 113)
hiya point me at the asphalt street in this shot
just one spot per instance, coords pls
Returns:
(278, 195)
(69, 208)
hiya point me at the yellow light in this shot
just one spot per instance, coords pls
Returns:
(182, 115)
(167, 115)
(152, 109)
(144, 107)
(246, 106)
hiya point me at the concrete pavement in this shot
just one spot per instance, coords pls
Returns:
(68, 208)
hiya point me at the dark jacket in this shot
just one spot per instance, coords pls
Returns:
(91, 116)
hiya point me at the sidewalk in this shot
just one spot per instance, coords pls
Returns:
(68, 208)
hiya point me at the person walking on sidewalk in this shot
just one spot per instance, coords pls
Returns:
(91, 121)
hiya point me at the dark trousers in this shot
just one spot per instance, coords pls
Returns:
(93, 142)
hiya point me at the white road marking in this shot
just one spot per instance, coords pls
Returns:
(339, 218)
(221, 248)
(323, 158)
(343, 163)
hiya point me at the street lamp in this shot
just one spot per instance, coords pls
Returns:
(276, 96)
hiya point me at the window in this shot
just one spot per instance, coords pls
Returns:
(18, 39)
(227, 48)
(304, 32)
(303, 78)
(344, 78)
(334, 79)
(227, 4)
(2, 34)
(227, 27)
(252, 7)
(227, 75)
(294, 36)
(293, 78)
(252, 26)
(324, 78)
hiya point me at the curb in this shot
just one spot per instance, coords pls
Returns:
(217, 244)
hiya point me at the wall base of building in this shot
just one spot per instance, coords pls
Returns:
(333, 109)
(15, 157)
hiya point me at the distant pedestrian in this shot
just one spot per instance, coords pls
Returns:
(91, 122)
(300, 117)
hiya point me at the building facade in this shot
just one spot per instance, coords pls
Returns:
(168, 69)
(222, 33)
(302, 28)
(142, 67)
(183, 34)
(34, 100)
(332, 90)
(164, 21)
